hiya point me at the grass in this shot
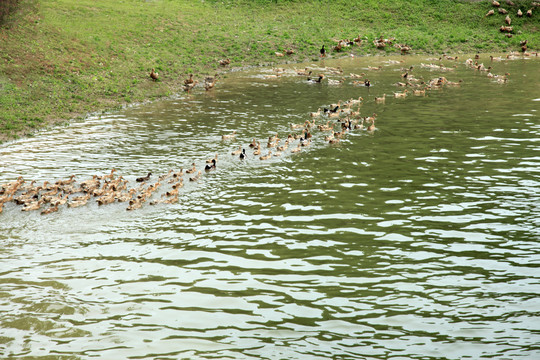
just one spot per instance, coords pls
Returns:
(62, 59)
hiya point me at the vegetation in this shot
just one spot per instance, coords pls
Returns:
(62, 58)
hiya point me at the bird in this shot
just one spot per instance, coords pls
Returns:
(189, 80)
(243, 154)
(381, 99)
(209, 167)
(318, 80)
(144, 178)
(367, 83)
(503, 11)
(154, 75)
(323, 51)
(213, 160)
(519, 13)
(229, 137)
(196, 176)
(266, 157)
(490, 12)
(224, 62)
(188, 87)
(495, 3)
(289, 51)
(507, 20)
(529, 13)
(192, 170)
(237, 152)
(279, 54)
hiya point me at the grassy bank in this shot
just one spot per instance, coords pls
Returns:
(60, 59)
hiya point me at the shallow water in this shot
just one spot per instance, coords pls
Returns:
(418, 241)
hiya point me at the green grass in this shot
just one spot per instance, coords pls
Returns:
(62, 59)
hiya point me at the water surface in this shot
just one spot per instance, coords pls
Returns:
(417, 241)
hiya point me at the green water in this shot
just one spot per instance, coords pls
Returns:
(417, 241)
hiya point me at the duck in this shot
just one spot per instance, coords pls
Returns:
(401, 94)
(316, 114)
(336, 82)
(125, 196)
(196, 176)
(190, 86)
(154, 75)
(279, 54)
(266, 157)
(380, 99)
(189, 80)
(253, 143)
(208, 85)
(305, 72)
(144, 178)
(329, 137)
(356, 76)
(257, 151)
(419, 92)
(367, 83)
(318, 80)
(507, 20)
(495, 3)
(192, 170)
(289, 52)
(33, 205)
(229, 137)
(375, 67)
(224, 62)
(50, 210)
(529, 13)
(503, 11)
(237, 152)
(334, 141)
(322, 51)
(243, 154)
(371, 126)
(212, 160)
(519, 13)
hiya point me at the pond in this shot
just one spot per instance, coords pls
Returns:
(418, 239)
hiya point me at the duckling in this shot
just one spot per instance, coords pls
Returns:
(266, 157)
(144, 178)
(229, 137)
(237, 152)
(196, 176)
(154, 75)
(192, 170)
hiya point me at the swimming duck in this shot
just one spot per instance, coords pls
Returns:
(257, 151)
(336, 82)
(144, 178)
(125, 196)
(196, 176)
(229, 137)
(33, 206)
(237, 152)
(371, 126)
(316, 114)
(401, 94)
(154, 75)
(380, 99)
(243, 154)
(318, 80)
(266, 157)
(253, 143)
(334, 141)
(192, 170)
(50, 210)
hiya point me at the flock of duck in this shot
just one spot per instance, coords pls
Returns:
(328, 124)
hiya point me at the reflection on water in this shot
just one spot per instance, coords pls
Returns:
(419, 241)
